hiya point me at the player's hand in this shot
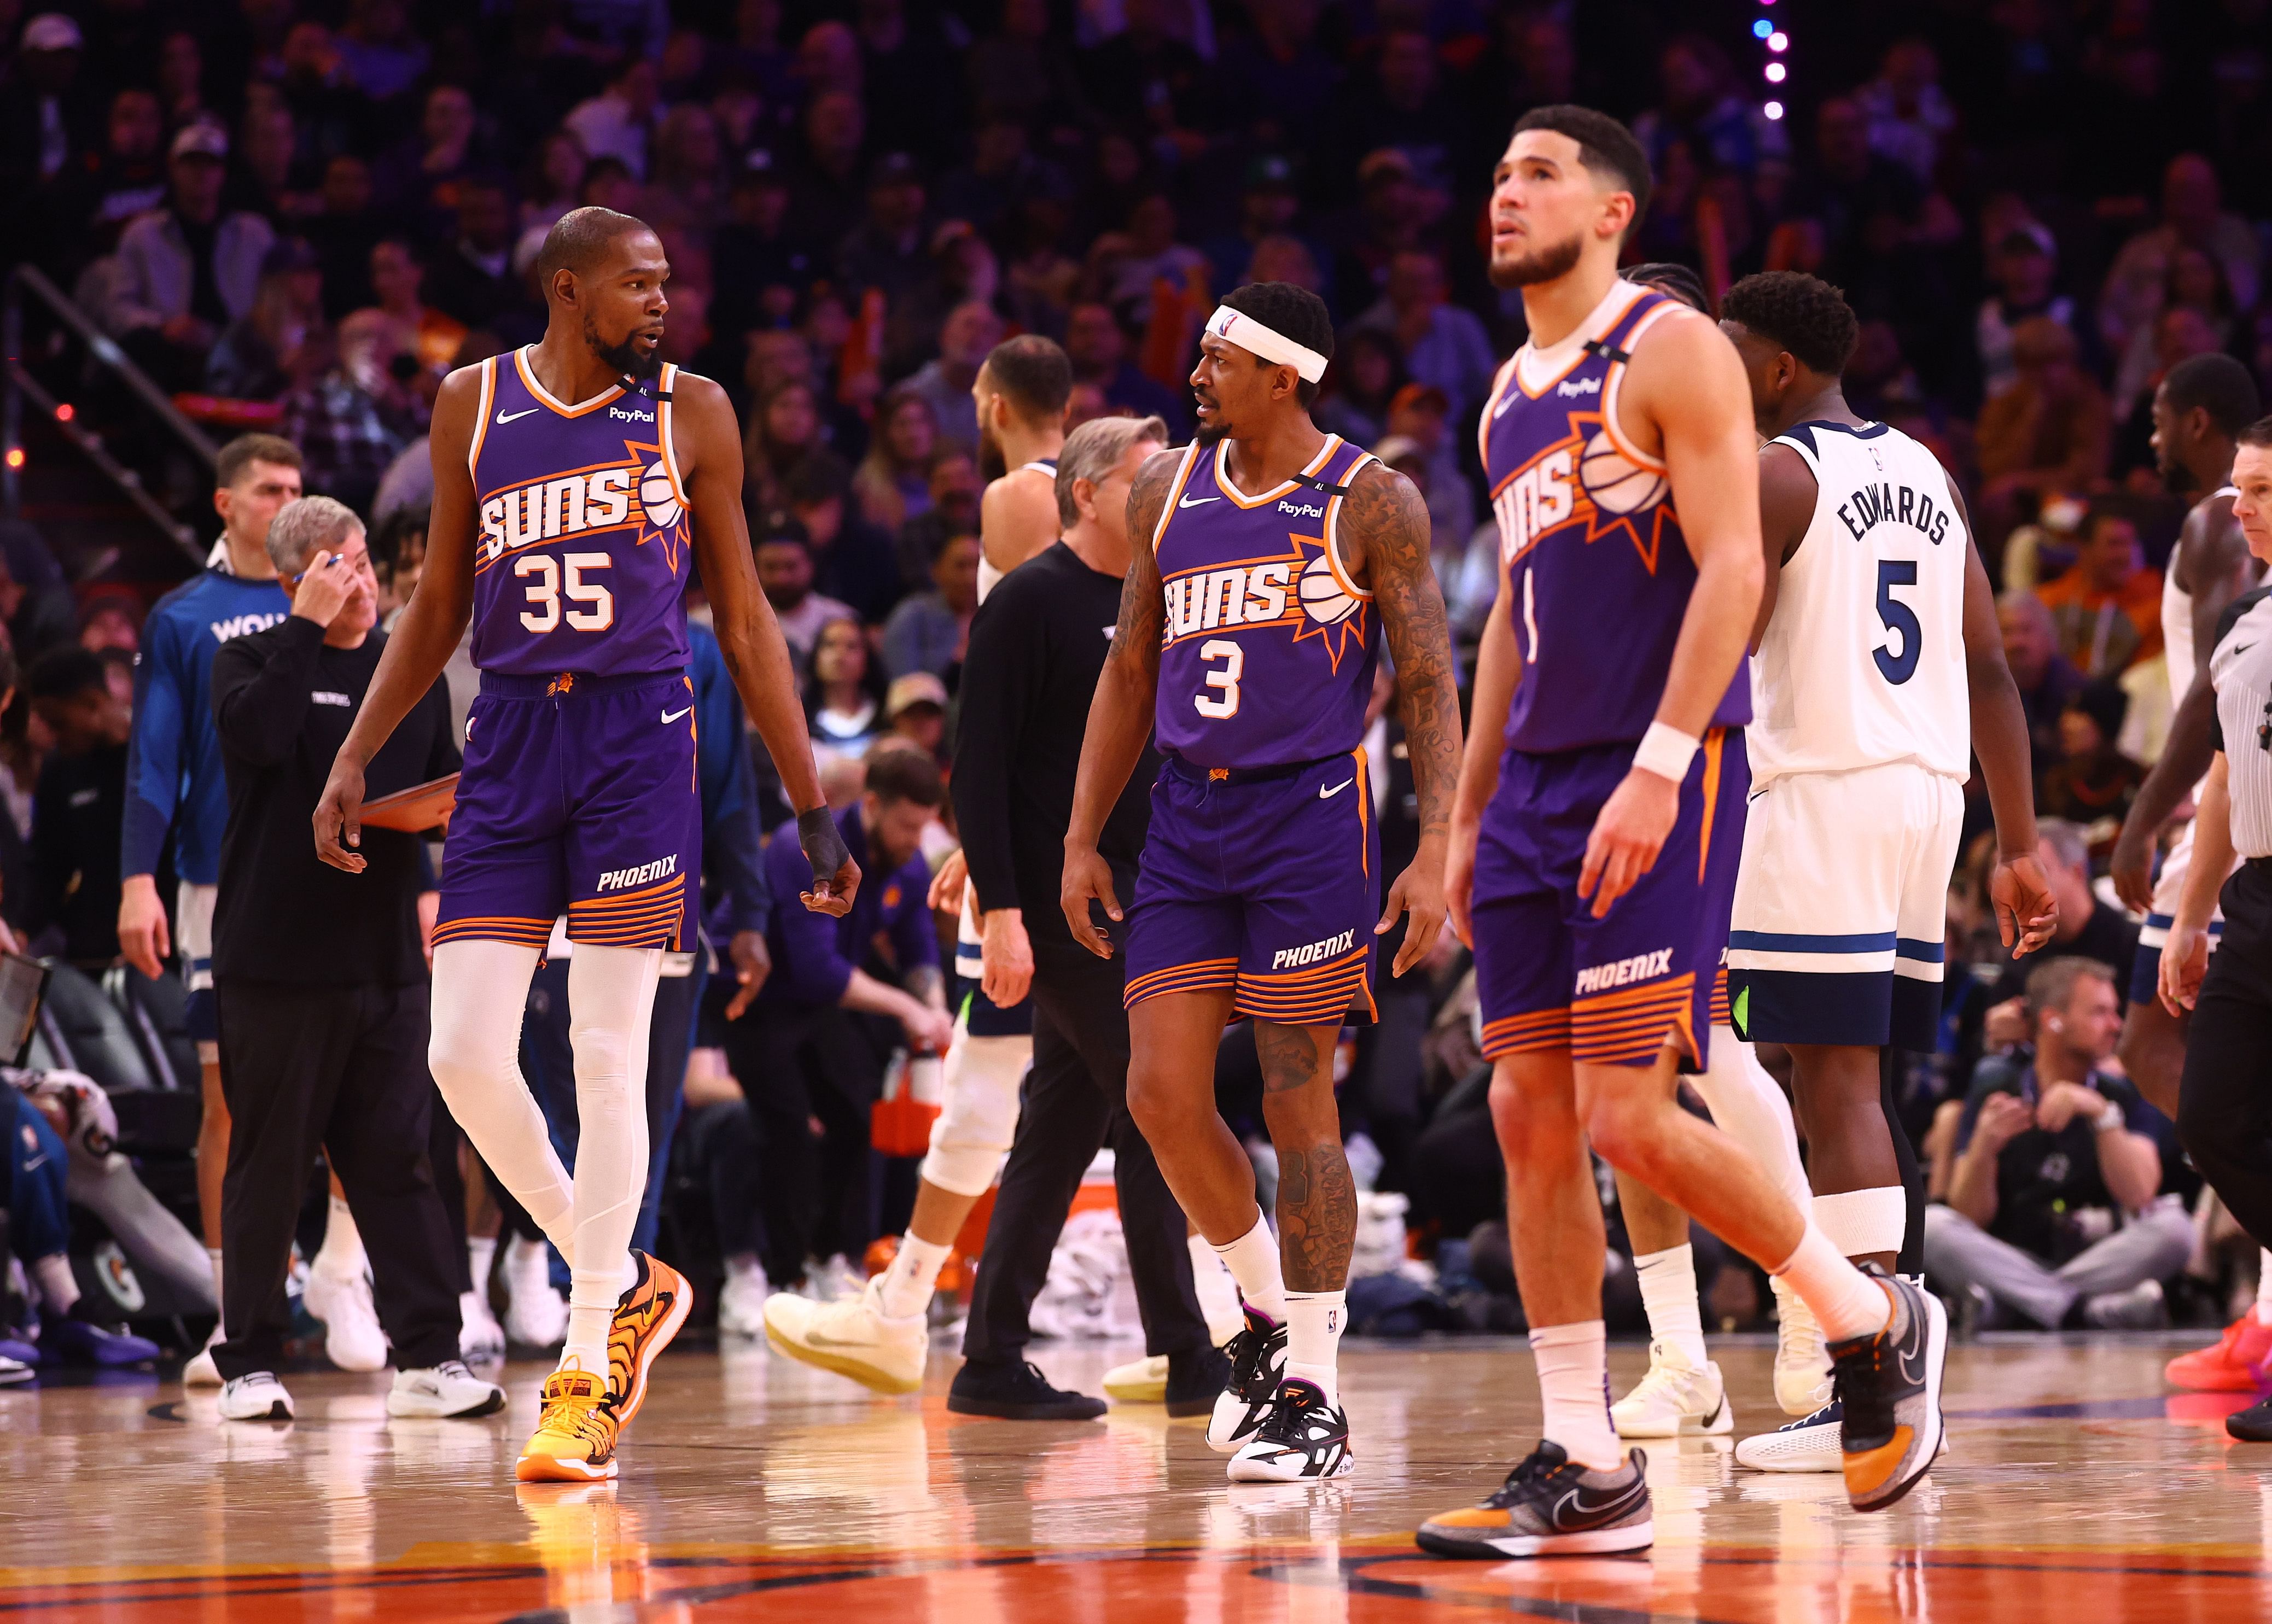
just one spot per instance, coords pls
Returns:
(1007, 954)
(1418, 893)
(945, 893)
(2003, 1118)
(752, 963)
(142, 935)
(1460, 880)
(2185, 961)
(339, 817)
(2026, 911)
(324, 590)
(836, 877)
(1087, 878)
(2132, 867)
(929, 1030)
(1628, 835)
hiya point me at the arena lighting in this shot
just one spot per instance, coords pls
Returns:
(1778, 40)
(1774, 109)
(66, 412)
(15, 455)
(1775, 73)
(1762, 28)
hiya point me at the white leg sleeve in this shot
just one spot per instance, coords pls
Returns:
(611, 1013)
(1748, 1105)
(971, 1138)
(481, 989)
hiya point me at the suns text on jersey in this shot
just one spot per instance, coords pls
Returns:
(544, 509)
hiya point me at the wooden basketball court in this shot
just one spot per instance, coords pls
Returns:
(2077, 1488)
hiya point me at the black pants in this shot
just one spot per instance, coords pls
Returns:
(1076, 1096)
(342, 1070)
(797, 1065)
(2224, 1100)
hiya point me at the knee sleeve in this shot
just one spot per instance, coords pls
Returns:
(1749, 1107)
(971, 1138)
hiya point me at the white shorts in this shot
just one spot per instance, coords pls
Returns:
(2169, 891)
(1841, 916)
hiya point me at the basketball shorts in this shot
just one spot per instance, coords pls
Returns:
(982, 1016)
(193, 917)
(1264, 881)
(2169, 888)
(1613, 991)
(1841, 907)
(578, 797)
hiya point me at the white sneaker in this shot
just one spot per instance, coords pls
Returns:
(481, 1339)
(1802, 1361)
(352, 1337)
(1674, 1399)
(1808, 1444)
(838, 1281)
(259, 1396)
(856, 1338)
(742, 1301)
(445, 1390)
(15, 1371)
(535, 1314)
(201, 1371)
(1139, 1382)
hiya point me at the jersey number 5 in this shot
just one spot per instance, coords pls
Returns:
(1223, 704)
(1901, 621)
(541, 571)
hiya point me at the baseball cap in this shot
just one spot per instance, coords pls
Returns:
(200, 140)
(51, 31)
(916, 688)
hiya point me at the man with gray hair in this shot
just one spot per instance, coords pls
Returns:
(320, 984)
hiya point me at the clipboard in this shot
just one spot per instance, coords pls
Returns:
(414, 810)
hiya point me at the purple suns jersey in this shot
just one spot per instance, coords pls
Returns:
(580, 565)
(1267, 652)
(1598, 569)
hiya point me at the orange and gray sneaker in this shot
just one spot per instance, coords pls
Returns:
(575, 1441)
(2231, 1365)
(647, 1316)
(1889, 1384)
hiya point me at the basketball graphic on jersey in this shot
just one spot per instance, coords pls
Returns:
(1614, 481)
(657, 496)
(1323, 598)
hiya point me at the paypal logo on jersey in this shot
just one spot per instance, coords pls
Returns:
(1301, 510)
(1575, 387)
(242, 625)
(629, 416)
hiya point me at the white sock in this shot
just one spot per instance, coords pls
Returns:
(213, 1252)
(912, 1278)
(1574, 1379)
(481, 991)
(1217, 1292)
(1314, 1331)
(341, 1253)
(1668, 1291)
(2263, 1287)
(610, 1019)
(481, 1258)
(1253, 1260)
(1847, 1303)
(1749, 1107)
(1861, 1222)
(58, 1286)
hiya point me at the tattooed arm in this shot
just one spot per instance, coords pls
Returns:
(1387, 517)
(1120, 715)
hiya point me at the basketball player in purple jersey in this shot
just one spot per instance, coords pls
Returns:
(573, 493)
(1247, 636)
(1594, 832)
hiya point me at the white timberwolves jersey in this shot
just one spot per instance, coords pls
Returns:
(1863, 662)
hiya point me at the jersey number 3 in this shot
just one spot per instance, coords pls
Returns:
(1901, 621)
(1222, 705)
(596, 605)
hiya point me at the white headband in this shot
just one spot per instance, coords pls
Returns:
(1237, 327)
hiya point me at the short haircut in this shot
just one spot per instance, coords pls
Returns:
(300, 527)
(1606, 148)
(581, 236)
(2257, 434)
(1093, 451)
(1033, 375)
(1291, 311)
(2052, 986)
(905, 775)
(1670, 277)
(247, 449)
(2219, 385)
(62, 672)
(2068, 842)
(1803, 314)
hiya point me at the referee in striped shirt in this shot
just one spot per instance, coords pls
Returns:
(2224, 1102)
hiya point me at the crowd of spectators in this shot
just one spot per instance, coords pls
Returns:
(303, 214)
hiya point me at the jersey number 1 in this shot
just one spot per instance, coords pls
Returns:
(1901, 621)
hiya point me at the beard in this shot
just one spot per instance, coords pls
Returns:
(1212, 434)
(1544, 265)
(2176, 477)
(623, 358)
(993, 461)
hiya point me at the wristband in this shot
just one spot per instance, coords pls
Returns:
(1666, 751)
(2110, 1119)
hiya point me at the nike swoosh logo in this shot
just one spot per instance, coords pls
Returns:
(1506, 401)
(1193, 502)
(669, 717)
(1579, 1508)
(509, 417)
(1327, 794)
(2242, 648)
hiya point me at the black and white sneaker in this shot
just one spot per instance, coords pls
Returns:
(1258, 1359)
(1301, 1438)
(1549, 1506)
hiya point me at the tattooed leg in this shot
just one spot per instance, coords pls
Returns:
(1317, 1196)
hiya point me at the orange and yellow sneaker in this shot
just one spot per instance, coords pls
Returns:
(647, 1316)
(575, 1441)
(2230, 1366)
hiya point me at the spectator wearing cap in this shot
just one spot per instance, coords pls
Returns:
(1441, 343)
(2106, 610)
(2193, 216)
(944, 382)
(784, 561)
(914, 709)
(47, 116)
(616, 123)
(1098, 349)
(185, 270)
(2022, 267)
(276, 344)
(930, 631)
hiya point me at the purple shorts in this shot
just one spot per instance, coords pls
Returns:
(1613, 991)
(578, 797)
(1266, 882)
